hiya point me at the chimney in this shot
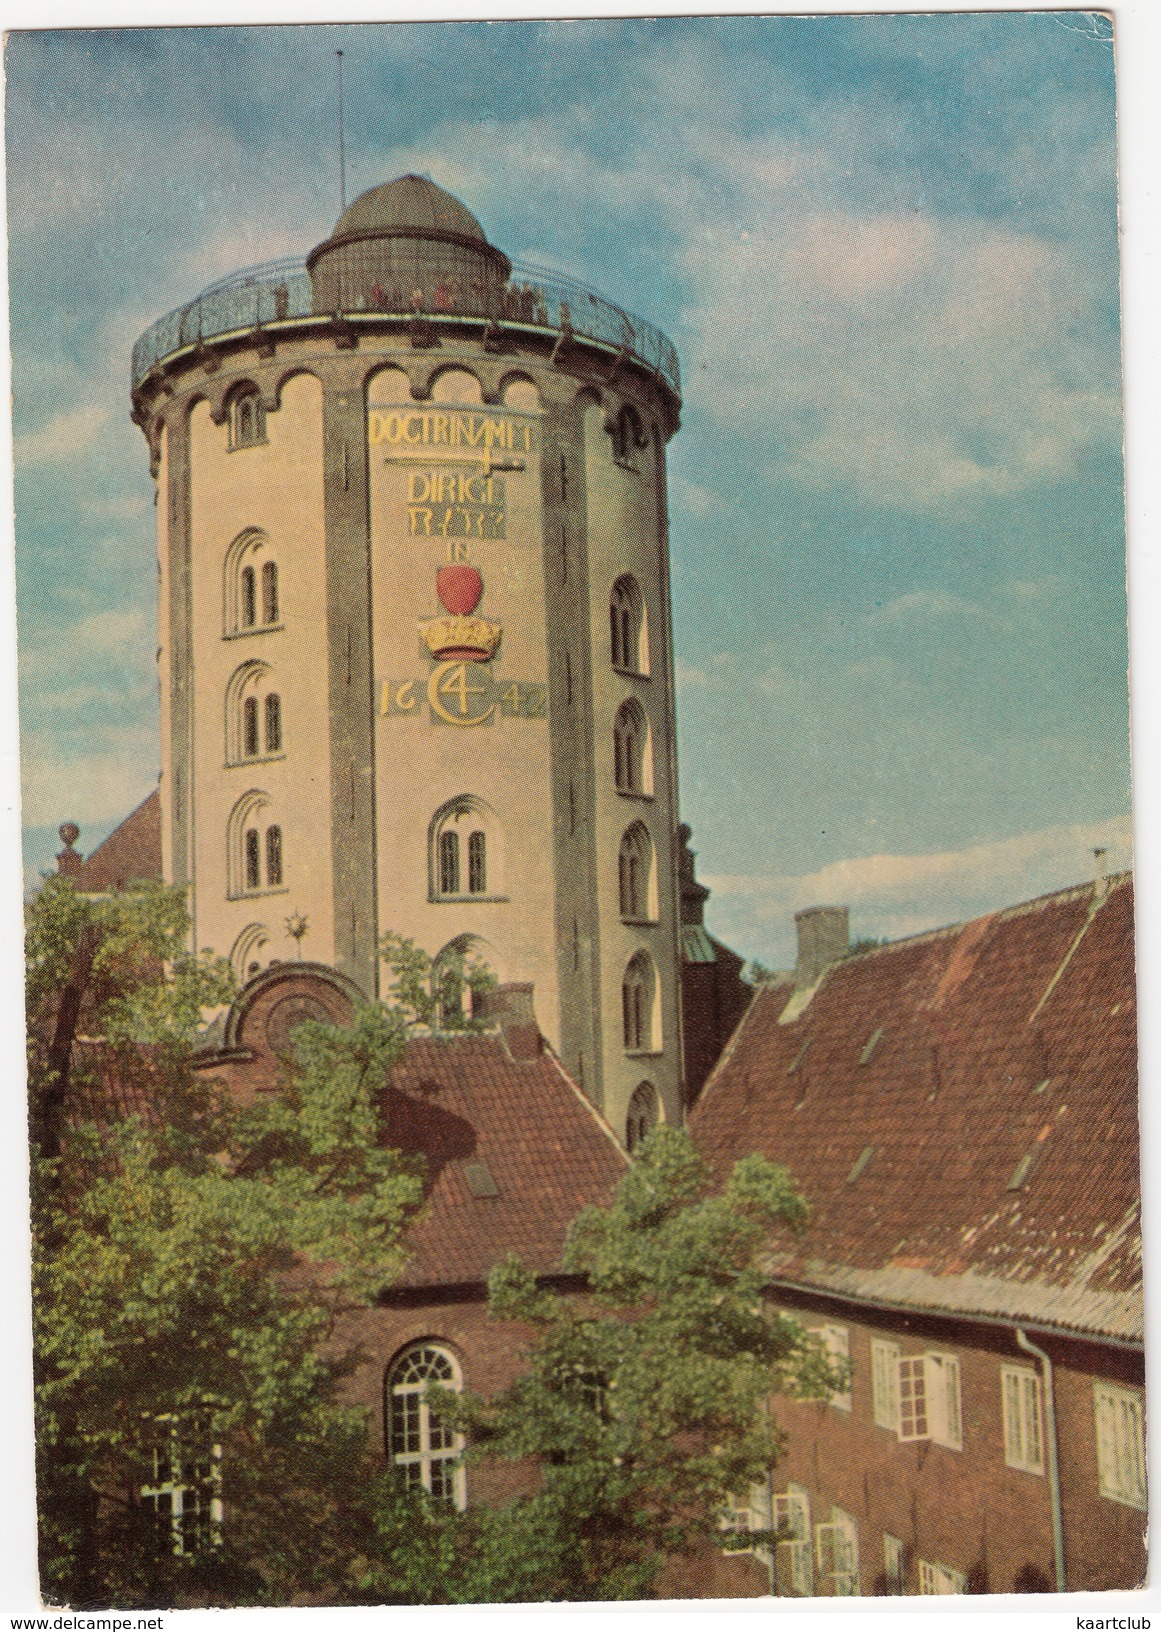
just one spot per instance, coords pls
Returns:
(823, 937)
(69, 861)
(510, 1007)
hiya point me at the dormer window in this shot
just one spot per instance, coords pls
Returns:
(247, 420)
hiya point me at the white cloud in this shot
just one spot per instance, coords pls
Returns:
(894, 895)
(62, 438)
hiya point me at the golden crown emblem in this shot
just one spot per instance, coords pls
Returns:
(472, 639)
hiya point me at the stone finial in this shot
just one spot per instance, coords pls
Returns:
(69, 861)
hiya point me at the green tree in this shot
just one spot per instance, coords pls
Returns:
(644, 1405)
(193, 1261)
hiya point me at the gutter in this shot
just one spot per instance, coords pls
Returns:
(918, 1311)
(1029, 1347)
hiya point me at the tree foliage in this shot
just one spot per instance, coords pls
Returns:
(643, 1407)
(192, 1258)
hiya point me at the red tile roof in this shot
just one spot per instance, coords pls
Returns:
(982, 1156)
(485, 1121)
(131, 852)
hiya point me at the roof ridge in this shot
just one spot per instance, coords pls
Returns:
(606, 1127)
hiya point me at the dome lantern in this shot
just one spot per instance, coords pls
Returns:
(406, 245)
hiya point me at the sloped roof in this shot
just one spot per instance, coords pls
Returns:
(485, 1122)
(131, 852)
(960, 1109)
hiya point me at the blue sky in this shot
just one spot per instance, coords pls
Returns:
(886, 251)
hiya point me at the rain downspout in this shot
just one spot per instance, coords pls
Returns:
(1029, 1347)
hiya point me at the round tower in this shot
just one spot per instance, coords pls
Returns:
(415, 653)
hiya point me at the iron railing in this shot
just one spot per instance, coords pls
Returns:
(533, 297)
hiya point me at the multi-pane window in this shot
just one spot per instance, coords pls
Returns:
(247, 420)
(749, 1513)
(940, 1578)
(182, 1491)
(836, 1553)
(253, 713)
(929, 1399)
(793, 1553)
(894, 1565)
(885, 1383)
(255, 851)
(425, 1448)
(635, 875)
(836, 1340)
(1023, 1434)
(641, 1118)
(631, 766)
(464, 850)
(250, 585)
(639, 1004)
(1120, 1438)
(627, 626)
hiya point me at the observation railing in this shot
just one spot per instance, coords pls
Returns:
(532, 297)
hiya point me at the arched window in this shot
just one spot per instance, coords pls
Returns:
(637, 876)
(255, 861)
(628, 642)
(427, 1452)
(642, 1116)
(628, 435)
(641, 1031)
(253, 714)
(248, 956)
(247, 419)
(632, 757)
(465, 845)
(250, 588)
(454, 975)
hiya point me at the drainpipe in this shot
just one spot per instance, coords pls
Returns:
(1053, 1461)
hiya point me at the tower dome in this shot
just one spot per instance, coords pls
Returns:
(411, 206)
(406, 246)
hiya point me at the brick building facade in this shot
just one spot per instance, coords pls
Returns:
(961, 1111)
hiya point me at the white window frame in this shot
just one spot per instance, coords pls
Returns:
(930, 1405)
(836, 1553)
(752, 1512)
(937, 1579)
(1022, 1397)
(836, 1340)
(894, 1565)
(885, 1357)
(426, 1455)
(1120, 1443)
(176, 1440)
(794, 1552)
